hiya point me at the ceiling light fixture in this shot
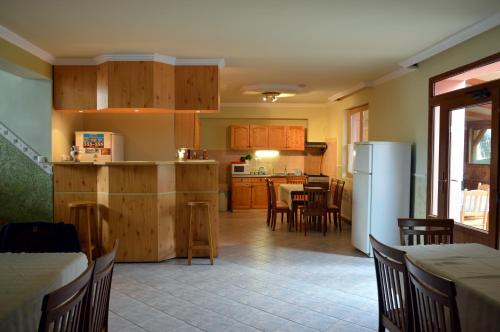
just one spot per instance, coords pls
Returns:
(270, 96)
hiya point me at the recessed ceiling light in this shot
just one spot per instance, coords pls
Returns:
(80, 111)
(136, 111)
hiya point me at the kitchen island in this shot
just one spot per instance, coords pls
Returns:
(143, 204)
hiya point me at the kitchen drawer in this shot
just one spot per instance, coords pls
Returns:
(249, 180)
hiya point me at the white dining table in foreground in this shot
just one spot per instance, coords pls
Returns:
(475, 269)
(26, 278)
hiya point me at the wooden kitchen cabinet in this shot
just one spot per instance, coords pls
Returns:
(259, 196)
(244, 137)
(258, 137)
(241, 196)
(240, 137)
(277, 137)
(251, 192)
(75, 87)
(187, 130)
(295, 138)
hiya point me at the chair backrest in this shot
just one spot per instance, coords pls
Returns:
(272, 193)
(36, 237)
(392, 286)
(429, 231)
(475, 203)
(64, 309)
(101, 287)
(333, 189)
(433, 300)
(269, 187)
(340, 192)
(296, 179)
(316, 201)
(483, 186)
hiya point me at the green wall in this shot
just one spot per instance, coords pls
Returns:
(399, 108)
(25, 189)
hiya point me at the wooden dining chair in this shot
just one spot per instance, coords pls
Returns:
(298, 198)
(269, 187)
(433, 300)
(335, 207)
(414, 231)
(101, 288)
(394, 307)
(277, 207)
(315, 207)
(64, 309)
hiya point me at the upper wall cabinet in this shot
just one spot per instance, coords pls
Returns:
(75, 87)
(187, 130)
(125, 86)
(244, 137)
(259, 136)
(135, 84)
(295, 138)
(197, 88)
(277, 137)
(240, 137)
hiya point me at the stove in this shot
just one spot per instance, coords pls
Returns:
(318, 180)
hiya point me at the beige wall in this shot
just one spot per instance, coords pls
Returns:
(64, 126)
(147, 136)
(399, 108)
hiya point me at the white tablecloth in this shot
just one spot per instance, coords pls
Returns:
(475, 269)
(26, 278)
(285, 192)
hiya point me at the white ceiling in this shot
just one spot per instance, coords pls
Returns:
(328, 45)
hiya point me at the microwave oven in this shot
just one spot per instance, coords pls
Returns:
(240, 169)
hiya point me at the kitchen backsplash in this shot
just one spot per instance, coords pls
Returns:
(290, 159)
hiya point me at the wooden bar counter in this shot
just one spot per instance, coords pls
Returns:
(142, 204)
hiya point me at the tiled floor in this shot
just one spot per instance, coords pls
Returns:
(262, 280)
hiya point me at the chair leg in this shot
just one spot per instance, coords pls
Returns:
(190, 236)
(282, 217)
(268, 220)
(210, 242)
(89, 235)
(339, 218)
(274, 216)
(325, 222)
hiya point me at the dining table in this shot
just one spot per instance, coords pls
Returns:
(25, 278)
(285, 195)
(475, 269)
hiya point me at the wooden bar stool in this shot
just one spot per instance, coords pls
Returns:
(195, 244)
(75, 209)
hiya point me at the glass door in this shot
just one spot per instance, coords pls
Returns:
(468, 169)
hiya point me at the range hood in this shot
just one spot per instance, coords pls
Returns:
(316, 145)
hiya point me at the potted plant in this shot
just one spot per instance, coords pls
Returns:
(246, 159)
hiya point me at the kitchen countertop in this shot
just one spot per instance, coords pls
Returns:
(263, 175)
(135, 163)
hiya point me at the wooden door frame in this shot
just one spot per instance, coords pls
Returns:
(447, 102)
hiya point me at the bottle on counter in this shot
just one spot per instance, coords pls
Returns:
(205, 154)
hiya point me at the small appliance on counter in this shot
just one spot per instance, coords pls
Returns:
(99, 146)
(318, 180)
(240, 169)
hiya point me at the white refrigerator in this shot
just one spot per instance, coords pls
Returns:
(99, 146)
(380, 193)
